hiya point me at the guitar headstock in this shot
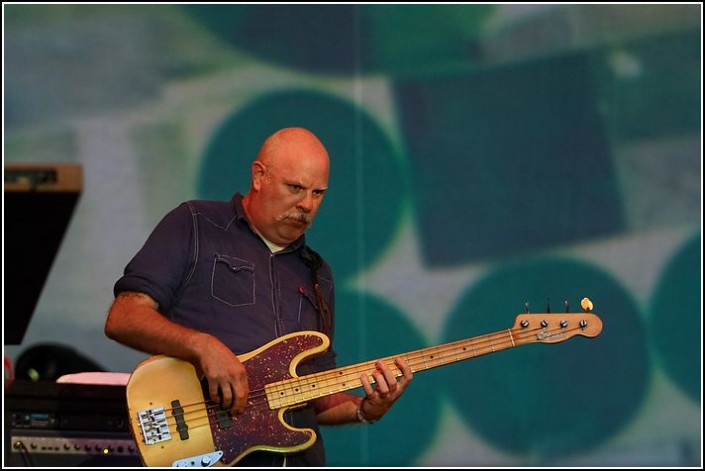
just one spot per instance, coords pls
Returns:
(556, 327)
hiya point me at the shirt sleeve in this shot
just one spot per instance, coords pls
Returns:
(164, 262)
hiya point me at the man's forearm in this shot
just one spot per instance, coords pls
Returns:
(133, 320)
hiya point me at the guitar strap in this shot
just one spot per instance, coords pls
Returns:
(315, 262)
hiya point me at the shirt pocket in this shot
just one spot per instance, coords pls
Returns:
(233, 281)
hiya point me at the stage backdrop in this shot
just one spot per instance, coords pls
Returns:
(486, 160)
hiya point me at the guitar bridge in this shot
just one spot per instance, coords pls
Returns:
(154, 426)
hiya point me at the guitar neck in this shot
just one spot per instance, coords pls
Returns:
(305, 388)
(528, 328)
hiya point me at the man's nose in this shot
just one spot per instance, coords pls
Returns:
(306, 202)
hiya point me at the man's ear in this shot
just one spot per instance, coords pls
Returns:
(258, 174)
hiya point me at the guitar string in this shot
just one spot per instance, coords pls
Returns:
(481, 345)
(411, 357)
(353, 372)
(485, 344)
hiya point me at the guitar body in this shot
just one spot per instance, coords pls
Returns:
(160, 380)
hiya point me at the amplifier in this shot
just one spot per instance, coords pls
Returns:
(62, 424)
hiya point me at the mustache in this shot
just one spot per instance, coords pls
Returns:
(296, 216)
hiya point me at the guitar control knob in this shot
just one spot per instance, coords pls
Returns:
(206, 461)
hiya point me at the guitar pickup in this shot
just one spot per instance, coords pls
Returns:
(223, 418)
(178, 412)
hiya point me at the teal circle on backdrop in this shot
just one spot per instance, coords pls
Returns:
(363, 205)
(366, 329)
(549, 400)
(675, 325)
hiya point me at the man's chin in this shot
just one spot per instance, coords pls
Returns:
(291, 234)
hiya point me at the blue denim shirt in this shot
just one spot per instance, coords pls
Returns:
(207, 269)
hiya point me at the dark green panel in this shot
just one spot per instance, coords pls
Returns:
(508, 160)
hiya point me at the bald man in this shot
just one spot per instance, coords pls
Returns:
(219, 279)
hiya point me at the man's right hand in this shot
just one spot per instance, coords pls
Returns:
(226, 375)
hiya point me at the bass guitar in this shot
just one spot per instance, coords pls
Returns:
(175, 425)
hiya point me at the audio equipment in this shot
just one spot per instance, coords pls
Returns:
(39, 202)
(64, 424)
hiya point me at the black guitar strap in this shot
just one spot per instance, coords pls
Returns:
(315, 262)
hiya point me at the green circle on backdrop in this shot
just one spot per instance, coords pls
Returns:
(362, 207)
(549, 400)
(676, 324)
(367, 328)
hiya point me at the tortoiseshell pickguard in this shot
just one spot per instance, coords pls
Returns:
(259, 427)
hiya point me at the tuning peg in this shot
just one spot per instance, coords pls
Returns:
(548, 305)
(526, 304)
(567, 306)
(586, 304)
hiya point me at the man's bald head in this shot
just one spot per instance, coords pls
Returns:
(293, 143)
(289, 178)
